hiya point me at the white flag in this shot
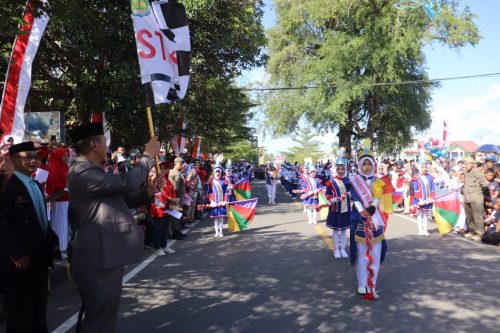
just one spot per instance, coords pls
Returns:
(163, 49)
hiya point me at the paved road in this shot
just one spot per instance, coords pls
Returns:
(280, 276)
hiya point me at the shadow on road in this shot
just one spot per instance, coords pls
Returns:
(262, 281)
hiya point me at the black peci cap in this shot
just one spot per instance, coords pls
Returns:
(84, 131)
(23, 146)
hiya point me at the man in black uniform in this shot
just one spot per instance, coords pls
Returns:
(27, 243)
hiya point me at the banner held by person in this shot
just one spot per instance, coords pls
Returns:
(446, 210)
(242, 189)
(241, 214)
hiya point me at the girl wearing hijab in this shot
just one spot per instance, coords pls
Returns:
(57, 190)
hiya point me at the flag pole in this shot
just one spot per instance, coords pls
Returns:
(149, 116)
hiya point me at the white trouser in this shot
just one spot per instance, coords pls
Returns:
(311, 214)
(271, 191)
(218, 225)
(361, 271)
(461, 218)
(421, 222)
(343, 239)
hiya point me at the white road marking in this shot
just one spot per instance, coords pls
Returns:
(71, 321)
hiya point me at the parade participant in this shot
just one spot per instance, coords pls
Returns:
(368, 245)
(337, 192)
(57, 189)
(230, 179)
(106, 236)
(217, 190)
(27, 242)
(422, 187)
(271, 175)
(311, 187)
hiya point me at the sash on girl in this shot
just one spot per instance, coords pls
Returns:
(338, 188)
(364, 192)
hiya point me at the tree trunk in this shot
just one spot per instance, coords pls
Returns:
(345, 139)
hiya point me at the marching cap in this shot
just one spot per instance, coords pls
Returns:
(84, 131)
(23, 146)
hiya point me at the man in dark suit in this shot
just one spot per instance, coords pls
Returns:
(106, 235)
(27, 243)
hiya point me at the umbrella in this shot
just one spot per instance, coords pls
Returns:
(489, 149)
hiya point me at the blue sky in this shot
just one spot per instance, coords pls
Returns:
(471, 107)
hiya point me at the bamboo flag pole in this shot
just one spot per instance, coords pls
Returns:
(149, 116)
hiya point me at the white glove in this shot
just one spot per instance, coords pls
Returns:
(310, 193)
(334, 200)
(212, 204)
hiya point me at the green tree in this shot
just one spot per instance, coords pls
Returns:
(348, 49)
(241, 149)
(305, 147)
(87, 62)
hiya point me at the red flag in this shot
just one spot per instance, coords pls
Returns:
(445, 134)
(178, 142)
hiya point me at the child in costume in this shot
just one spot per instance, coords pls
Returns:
(231, 180)
(422, 187)
(217, 190)
(310, 187)
(271, 176)
(339, 214)
(368, 245)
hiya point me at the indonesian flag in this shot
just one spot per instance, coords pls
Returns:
(163, 47)
(178, 142)
(196, 152)
(18, 78)
(445, 134)
(99, 117)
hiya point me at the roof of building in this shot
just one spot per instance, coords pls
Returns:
(466, 145)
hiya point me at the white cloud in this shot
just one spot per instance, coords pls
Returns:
(468, 117)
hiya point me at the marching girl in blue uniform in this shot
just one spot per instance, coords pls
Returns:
(311, 186)
(424, 194)
(339, 214)
(231, 180)
(217, 189)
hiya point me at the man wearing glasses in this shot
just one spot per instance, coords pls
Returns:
(27, 244)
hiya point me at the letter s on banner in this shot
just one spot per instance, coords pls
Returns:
(141, 40)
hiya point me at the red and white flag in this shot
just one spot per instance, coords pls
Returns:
(196, 152)
(446, 135)
(99, 117)
(18, 78)
(178, 142)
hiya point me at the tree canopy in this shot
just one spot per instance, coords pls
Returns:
(306, 146)
(241, 149)
(348, 56)
(87, 62)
